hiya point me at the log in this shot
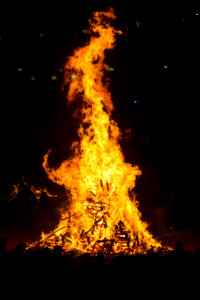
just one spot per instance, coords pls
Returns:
(101, 184)
(66, 239)
(93, 193)
(107, 185)
(40, 242)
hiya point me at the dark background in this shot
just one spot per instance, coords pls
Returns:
(156, 64)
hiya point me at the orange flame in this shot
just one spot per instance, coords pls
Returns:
(103, 213)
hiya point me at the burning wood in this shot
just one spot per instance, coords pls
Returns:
(103, 213)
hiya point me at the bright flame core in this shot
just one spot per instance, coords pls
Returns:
(103, 213)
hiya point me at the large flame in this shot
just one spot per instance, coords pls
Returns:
(103, 214)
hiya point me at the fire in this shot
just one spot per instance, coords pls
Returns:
(103, 214)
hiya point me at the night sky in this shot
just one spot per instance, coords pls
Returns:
(155, 89)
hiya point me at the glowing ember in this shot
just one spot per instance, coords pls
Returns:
(103, 213)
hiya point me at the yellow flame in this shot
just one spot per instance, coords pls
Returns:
(103, 213)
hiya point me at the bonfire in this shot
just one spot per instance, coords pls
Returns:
(103, 215)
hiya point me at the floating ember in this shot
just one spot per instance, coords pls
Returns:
(103, 214)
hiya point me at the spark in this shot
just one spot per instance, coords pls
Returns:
(137, 23)
(85, 31)
(54, 77)
(73, 77)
